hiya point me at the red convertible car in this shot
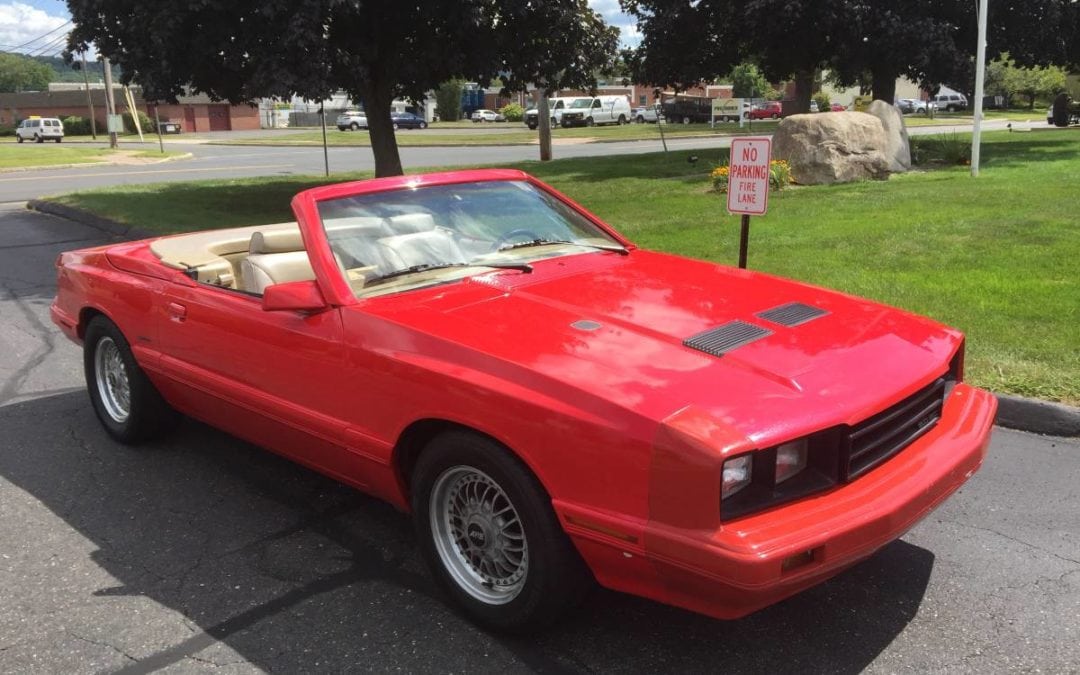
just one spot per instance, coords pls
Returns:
(552, 404)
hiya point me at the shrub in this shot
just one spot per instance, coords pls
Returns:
(145, 122)
(512, 112)
(948, 149)
(779, 176)
(76, 126)
(448, 100)
(7, 131)
(823, 102)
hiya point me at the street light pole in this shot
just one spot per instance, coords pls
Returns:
(980, 78)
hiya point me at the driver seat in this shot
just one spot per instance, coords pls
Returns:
(431, 247)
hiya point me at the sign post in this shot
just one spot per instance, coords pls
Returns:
(748, 184)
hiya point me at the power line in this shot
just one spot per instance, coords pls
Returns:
(49, 46)
(40, 37)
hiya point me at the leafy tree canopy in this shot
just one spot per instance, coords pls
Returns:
(374, 50)
(20, 73)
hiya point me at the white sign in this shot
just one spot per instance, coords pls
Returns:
(748, 176)
(115, 123)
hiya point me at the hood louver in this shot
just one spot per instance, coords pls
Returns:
(722, 339)
(792, 314)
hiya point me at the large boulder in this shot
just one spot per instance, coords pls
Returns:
(832, 147)
(897, 144)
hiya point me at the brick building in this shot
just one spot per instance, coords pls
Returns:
(194, 113)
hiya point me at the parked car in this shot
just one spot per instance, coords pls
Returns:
(551, 403)
(814, 107)
(767, 110)
(407, 120)
(687, 109)
(837, 107)
(910, 106)
(597, 110)
(487, 116)
(556, 108)
(950, 102)
(39, 130)
(352, 119)
(645, 114)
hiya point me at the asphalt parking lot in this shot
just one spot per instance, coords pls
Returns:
(204, 554)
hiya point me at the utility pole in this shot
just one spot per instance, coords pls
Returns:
(89, 99)
(110, 104)
(980, 79)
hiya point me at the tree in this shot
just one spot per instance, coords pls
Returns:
(373, 50)
(748, 82)
(19, 73)
(448, 100)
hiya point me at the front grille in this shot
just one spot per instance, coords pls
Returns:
(722, 339)
(878, 438)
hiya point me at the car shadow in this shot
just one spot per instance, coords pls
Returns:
(290, 569)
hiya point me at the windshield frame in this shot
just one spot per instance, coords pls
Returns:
(332, 282)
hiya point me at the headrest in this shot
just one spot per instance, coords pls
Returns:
(412, 222)
(276, 241)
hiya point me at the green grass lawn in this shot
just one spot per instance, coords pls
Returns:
(997, 256)
(33, 155)
(18, 155)
(518, 134)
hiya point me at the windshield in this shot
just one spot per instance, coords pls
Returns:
(403, 239)
(581, 103)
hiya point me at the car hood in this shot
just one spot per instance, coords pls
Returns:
(614, 327)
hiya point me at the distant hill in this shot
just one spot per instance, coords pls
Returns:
(67, 73)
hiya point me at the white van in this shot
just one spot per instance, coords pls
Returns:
(598, 110)
(951, 102)
(40, 129)
(556, 108)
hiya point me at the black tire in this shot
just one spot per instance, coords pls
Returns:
(554, 122)
(354, 126)
(640, 119)
(622, 120)
(533, 126)
(148, 414)
(19, 138)
(686, 120)
(775, 116)
(395, 125)
(423, 125)
(555, 579)
(59, 139)
(38, 139)
(589, 122)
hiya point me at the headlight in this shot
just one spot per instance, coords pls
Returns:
(790, 459)
(737, 473)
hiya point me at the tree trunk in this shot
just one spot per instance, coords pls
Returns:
(884, 85)
(543, 115)
(804, 90)
(377, 100)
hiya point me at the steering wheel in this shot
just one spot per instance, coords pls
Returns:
(524, 235)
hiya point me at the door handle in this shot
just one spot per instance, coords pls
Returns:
(177, 312)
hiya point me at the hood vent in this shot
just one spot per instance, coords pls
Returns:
(792, 314)
(722, 339)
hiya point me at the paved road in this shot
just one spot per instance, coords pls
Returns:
(219, 161)
(204, 554)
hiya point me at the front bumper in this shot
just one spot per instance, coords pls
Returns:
(740, 566)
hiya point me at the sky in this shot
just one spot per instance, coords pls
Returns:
(23, 21)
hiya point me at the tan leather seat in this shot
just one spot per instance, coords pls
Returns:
(275, 258)
(407, 223)
(434, 247)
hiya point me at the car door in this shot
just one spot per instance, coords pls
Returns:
(274, 378)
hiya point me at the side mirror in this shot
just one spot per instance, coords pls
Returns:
(296, 296)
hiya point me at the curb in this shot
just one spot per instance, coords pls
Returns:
(107, 225)
(1014, 412)
(1040, 417)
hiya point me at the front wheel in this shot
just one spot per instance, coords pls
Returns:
(20, 139)
(396, 126)
(775, 116)
(354, 126)
(423, 125)
(38, 139)
(641, 119)
(589, 122)
(124, 399)
(686, 120)
(487, 530)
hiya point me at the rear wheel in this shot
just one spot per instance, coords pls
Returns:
(354, 126)
(775, 116)
(38, 139)
(686, 120)
(59, 139)
(423, 125)
(641, 119)
(124, 399)
(622, 119)
(487, 531)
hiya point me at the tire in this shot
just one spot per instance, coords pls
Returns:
(18, 138)
(640, 119)
(589, 122)
(59, 139)
(554, 122)
(38, 139)
(950, 108)
(775, 116)
(532, 127)
(423, 125)
(396, 126)
(622, 120)
(354, 126)
(114, 379)
(536, 581)
(686, 120)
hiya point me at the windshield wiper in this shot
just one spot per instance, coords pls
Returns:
(546, 242)
(522, 267)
